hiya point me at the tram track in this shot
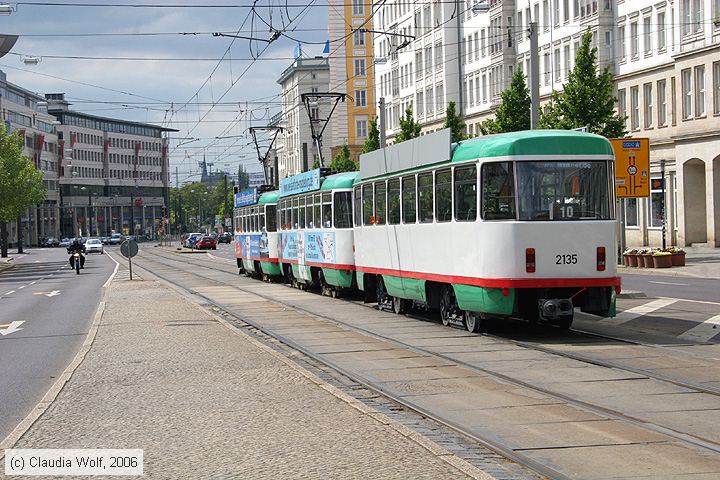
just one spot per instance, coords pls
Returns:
(687, 437)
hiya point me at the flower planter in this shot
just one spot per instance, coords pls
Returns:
(632, 260)
(662, 261)
(647, 261)
(678, 259)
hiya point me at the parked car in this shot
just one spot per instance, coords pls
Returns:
(104, 240)
(206, 243)
(115, 239)
(51, 242)
(192, 239)
(94, 245)
(65, 242)
(225, 238)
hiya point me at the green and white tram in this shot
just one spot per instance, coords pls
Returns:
(514, 225)
(316, 234)
(256, 237)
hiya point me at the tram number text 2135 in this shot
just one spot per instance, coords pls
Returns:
(568, 259)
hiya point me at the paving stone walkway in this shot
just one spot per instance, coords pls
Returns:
(204, 401)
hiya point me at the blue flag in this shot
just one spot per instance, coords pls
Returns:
(326, 50)
(298, 51)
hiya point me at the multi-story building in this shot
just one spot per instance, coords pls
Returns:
(664, 55)
(351, 72)
(295, 148)
(26, 112)
(113, 173)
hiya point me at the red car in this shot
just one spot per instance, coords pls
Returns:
(206, 242)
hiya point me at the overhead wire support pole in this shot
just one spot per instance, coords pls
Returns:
(263, 158)
(308, 99)
(534, 76)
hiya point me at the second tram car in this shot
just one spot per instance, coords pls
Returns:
(517, 224)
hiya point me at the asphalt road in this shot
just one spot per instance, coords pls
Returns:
(686, 288)
(56, 307)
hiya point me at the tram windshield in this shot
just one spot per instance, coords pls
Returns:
(562, 190)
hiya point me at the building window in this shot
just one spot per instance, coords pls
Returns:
(691, 15)
(716, 84)
(661, 31)
(622, 106)
(700, 91)
(361, 128)
(648, 99)
(623, 45)
(661, 103)
(557, 64)
(634, 39)
(359, 67)
(656, 205)
(546, 65)
(647, 36)
(631, 212)
(358, 7)
(566, 52)
(361, 98)
(359, 38)
(418, 64)
(687, 94)
(634, 108)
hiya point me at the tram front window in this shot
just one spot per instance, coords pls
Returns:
(563, 190)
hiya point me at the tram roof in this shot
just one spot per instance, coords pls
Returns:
(339, 180)
(533, 142)
(269, 197)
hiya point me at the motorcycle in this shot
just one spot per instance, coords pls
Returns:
(76, 261)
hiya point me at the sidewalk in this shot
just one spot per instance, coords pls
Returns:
(204, 400)
(699, 262)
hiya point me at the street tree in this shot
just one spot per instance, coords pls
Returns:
(372, 142)
(409, 128)
(587, 98)
(513, 113)
(343, 161)
(21, 185)
(455, 123)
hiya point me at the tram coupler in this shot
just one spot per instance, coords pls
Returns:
(554, 308)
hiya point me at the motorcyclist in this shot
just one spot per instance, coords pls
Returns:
(76, 246)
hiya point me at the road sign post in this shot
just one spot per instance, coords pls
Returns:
(129, 248)
(632, 175)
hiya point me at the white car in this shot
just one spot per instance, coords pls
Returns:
(94, 245)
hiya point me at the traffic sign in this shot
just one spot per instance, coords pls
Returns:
(632, 167)
(129, 248)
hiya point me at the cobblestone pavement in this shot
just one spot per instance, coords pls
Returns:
(206, 402)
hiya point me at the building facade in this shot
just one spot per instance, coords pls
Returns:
(664, 55)
(352, 72)
(295, 148)
(113, 173)
(27, 113)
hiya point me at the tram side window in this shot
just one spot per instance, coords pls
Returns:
(380, 198)
(425, 197)
(394, 201)
(367, 193)
(409, 204)
(261, 222)
(357, 206)
(326, 210)
(317, 211)
(343, 210)
(309, 212)
(294, 216)
(271, 215)
(443, 195)
(466, 194)
(498, 191)
(301, 212)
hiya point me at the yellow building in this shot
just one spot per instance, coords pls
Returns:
(351, 72)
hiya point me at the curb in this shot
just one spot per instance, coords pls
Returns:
(631, 294)
(65, 377)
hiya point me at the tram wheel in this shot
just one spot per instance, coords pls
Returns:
(383, 299)
(447, 305)
(326, 290)
(399, 305)
(473, 322)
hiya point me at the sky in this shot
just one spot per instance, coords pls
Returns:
(197, 93)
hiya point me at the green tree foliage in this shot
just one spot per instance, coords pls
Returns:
(455, 123)
(587, 98)
(343, 161)
(21, 184)
(372, 142)
(513, 114)
(409, 128)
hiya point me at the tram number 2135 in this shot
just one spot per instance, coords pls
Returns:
(566, 259)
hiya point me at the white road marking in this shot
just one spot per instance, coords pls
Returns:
(11, 328)
(10, 292)
(32, 283)
(670, 283)
(704, 331)
(21, 287)
(640, 310)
